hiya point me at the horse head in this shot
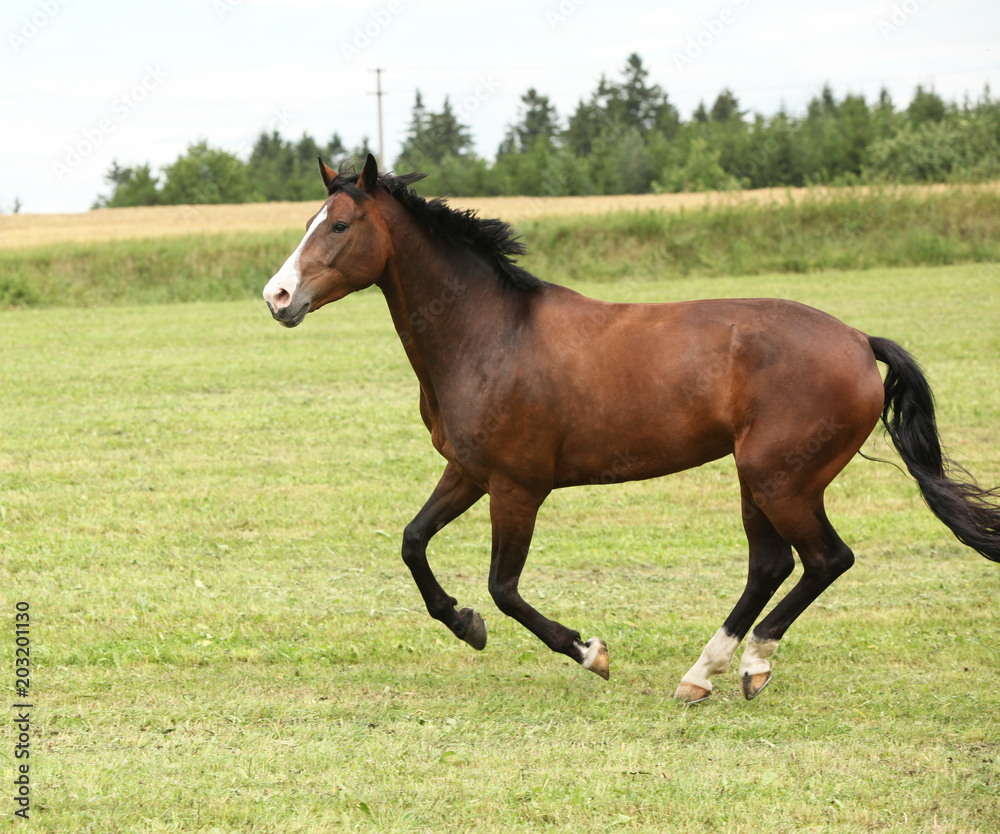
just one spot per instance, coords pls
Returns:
(345, 248)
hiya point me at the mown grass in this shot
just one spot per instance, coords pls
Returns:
(859, 229)
(204, 511)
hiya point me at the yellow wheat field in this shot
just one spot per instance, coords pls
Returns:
(20, 231)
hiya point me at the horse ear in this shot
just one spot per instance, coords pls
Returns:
(369, 176)
(326, 172)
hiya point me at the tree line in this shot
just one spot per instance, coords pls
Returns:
(625, 138)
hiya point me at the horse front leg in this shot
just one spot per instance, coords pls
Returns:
(452, 496)
(513, 514)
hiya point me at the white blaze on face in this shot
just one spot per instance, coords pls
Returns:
(288, 277)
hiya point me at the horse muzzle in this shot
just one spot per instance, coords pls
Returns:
(285, 300)
(289, 315)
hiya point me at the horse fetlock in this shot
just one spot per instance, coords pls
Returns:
(755, 668)
(715, 659)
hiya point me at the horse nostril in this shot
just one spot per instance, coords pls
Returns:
(281, 299)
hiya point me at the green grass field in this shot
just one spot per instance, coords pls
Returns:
(204, 512)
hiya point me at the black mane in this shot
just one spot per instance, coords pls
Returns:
(492, 238)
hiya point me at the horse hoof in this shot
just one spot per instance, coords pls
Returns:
(475, 632)
(595, 657)
(691, 693)
(753, 684)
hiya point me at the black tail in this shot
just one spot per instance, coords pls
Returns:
(971, 513)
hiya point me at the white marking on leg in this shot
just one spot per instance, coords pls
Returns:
(755, 656)
(715, 659)
(591, 650)
(595, 656)
(288, 277)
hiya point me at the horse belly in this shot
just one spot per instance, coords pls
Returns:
(643, 428)
(622, 459)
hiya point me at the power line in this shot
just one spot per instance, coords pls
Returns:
(378, 94)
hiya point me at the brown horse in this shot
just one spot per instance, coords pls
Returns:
(526, 387)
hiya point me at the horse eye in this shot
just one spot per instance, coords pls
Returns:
(339, 227)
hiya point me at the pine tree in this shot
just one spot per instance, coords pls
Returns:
(449, 136)
(927, 106)
(537, 121)
(726, 108)
(432, 137)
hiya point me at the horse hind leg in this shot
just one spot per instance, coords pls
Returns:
(770, 564)
(787, 471)
(824, 557)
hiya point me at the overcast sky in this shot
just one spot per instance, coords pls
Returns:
(86, 82)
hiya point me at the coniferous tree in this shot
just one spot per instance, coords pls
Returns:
(726, 108)
(432, 137)
(927, 106)
(448, 135)
(625, 136)
(538, 120)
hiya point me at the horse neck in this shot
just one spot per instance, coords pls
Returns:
(444, 302)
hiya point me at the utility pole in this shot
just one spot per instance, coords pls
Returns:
(378, 94)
